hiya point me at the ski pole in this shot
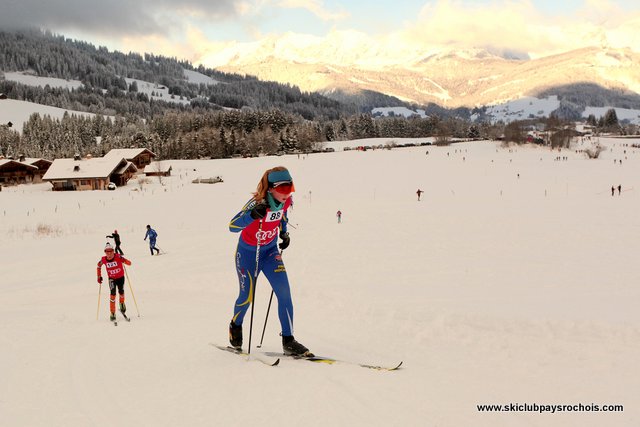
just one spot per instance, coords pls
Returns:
(255, 282)
(265, 319)
(131, 289)
(267, 316)
(99, 292)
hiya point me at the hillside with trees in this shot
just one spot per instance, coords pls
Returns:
(236, 116)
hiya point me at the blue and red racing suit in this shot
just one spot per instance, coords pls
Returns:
(270, 262)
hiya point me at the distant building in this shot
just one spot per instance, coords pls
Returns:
(159, 170)
(140, 157)
(89, 174)
(13, 172)
(43, 166)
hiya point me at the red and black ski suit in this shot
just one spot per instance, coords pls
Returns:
(115, 272)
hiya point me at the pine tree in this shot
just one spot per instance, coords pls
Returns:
(611, 120)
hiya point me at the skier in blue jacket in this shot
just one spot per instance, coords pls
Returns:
(152, 235)
(260, 222)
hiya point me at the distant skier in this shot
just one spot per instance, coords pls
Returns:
(339, 215)
(115, 272)
(152, 235)
(619, 189)
(613, 190)
(116, 239)
(419, 193)
(258, 224)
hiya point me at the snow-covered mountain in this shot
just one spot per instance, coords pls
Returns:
(351, 63)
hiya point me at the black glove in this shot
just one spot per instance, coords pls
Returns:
(285, 240)
(259, 210)
(100, 279)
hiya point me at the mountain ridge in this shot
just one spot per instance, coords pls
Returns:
(449, 77)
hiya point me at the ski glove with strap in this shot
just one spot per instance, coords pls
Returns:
(285, 240)
(259, 210)
(100, 279)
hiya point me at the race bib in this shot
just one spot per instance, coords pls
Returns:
(274, 216)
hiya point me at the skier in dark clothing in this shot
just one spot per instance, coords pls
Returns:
(116, 238)
(152, 235)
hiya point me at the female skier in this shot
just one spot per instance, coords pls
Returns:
(115, 271)
(259, 223)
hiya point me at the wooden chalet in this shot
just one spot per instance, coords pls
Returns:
(42, 165)
(13, 172)
(89, 174)
(159, 170)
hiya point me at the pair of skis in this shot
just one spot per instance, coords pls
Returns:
(273, 359)
(127, 318)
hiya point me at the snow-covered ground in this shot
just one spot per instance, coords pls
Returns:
(398, 111)
(530, 107)
(522, 109)
(622, 113)
(18, 112)
(156, 91)
(514, 280)
(196, 77)
(32, 80)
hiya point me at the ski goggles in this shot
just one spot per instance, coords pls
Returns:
(283, 187)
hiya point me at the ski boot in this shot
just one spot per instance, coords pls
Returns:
(235, 335)
(123, 308)
(112, 317)
(291, 347)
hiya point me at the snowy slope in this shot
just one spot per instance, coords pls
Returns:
(622, 113)
(494, 289)
(156, 91)
(398, 111)
(522, 109)
(530, 107)
(18, 112)
(32, 80)
(196, 77)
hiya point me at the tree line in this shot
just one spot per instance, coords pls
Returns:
(232, 133)
(215, 134)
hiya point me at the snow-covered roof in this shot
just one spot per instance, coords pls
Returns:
(127, 153)
(32, 160)
(158, 167)
(125, 167)
(4, 162)
(100, 167)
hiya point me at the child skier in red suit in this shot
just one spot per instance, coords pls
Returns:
(113, 262)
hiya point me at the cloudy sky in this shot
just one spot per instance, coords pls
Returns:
(197, 29)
